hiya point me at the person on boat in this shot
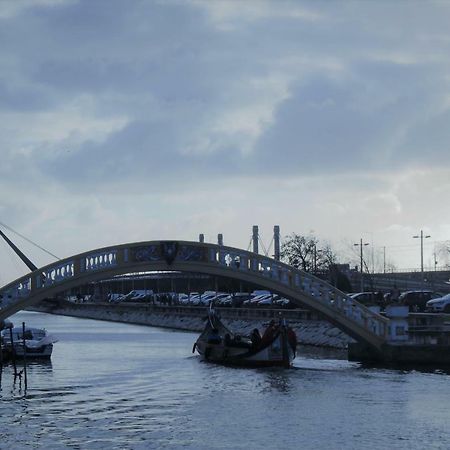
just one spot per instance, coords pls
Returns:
(227, 339)
(256, 338)
(292, 338)
(269, 334)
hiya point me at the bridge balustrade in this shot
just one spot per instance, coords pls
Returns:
(17, 290)
(269, 268)
(55, 274)
(99, 260)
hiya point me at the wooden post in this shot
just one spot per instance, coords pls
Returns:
(24, 354)
(1, 360)
(13, 352)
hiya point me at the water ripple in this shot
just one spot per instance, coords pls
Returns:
(156, 395)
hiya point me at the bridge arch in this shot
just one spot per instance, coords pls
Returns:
(302, 288)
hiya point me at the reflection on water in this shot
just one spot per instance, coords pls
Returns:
(278, 380)
(120, 386)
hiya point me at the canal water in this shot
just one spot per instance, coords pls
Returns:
(119, 386)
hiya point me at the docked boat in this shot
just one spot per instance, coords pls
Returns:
(34, 342)
(218, 344)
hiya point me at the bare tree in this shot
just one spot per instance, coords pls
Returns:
(306, 253)
(442, 254)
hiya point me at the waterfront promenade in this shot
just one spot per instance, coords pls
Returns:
(310, 328)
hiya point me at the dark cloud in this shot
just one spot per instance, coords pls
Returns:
(330, 125)
(173, 73)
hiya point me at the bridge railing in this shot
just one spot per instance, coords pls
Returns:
(173, 252)
(312, 286)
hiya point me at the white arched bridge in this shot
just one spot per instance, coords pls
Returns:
(356, 320)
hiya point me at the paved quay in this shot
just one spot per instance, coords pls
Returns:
(309, 327)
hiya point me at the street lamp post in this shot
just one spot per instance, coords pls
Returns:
(315, 252)
(422, 237)
(361, 245)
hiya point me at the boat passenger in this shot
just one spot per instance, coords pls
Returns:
(269, 334)
(292, 338)
(255, 337)
(227, 339)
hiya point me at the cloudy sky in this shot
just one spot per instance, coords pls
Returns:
(123, 121)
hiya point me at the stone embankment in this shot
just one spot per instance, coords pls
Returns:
(310, 329)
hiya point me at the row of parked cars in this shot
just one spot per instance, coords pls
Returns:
(237, 299)
(222, 299)
(418, 301)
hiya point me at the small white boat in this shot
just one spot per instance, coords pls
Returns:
(38, 343)
(276, 347)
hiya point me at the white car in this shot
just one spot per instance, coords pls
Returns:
(218, 298)
(256, 299)
(183, 299)
(266, 301)
(115, 298)
(282, 302)
(194, 299)
(206, 299)
(441, 304)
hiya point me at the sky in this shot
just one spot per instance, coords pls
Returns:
(124, 121)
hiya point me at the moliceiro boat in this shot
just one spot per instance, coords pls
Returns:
(38, 343)
(218, 344)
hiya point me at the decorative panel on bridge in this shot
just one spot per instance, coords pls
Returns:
(301, 287)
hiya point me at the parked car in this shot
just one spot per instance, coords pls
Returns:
(115, 298)
(368, 298)
(417, 300)
(194, 299)
(440, 304)
(256, 299)
(219, 297)
(268, 301)
(212, 298)
(234, 300)
(181, 299)
(283, 303)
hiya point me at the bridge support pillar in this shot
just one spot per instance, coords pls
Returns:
(276, 242)
(363, 353)
(255, 238)
(398, 355)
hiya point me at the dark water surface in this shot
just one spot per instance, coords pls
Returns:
(118, 386)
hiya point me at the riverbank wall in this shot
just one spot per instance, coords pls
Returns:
(308, 326)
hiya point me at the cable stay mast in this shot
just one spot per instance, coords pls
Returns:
(18, 252)
(27, 262)
(29, 241)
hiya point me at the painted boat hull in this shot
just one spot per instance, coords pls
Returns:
(271, 356)
(231, 349)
